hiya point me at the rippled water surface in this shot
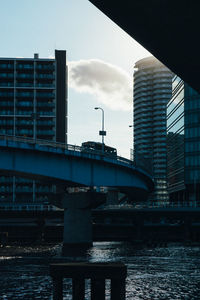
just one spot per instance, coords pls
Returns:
(166, 273)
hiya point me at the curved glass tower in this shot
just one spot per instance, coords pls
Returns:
(152, 91)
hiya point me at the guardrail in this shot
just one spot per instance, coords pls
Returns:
(63, 146)
(74, 148)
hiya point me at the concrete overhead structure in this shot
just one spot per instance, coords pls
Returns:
(169, 29)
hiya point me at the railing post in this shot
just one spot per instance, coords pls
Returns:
(78, 289)
(97, 289)
(118, 289)
(57, 288)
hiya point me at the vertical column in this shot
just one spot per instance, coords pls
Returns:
(78, 289)
(34, 114)
(118, 289)
(98, 289)
(57, 288)
(112, 197)
(187, 228)
(34, 102)
(14, 112)
(77, 221)
(139, 228)
(14, 195)
(61, 96)
(34, 191)
(54, 118)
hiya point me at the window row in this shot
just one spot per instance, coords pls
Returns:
(192, 160)
(192, 132)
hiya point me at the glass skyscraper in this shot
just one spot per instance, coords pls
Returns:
(183, 144)
(33, 103)
(152, 91)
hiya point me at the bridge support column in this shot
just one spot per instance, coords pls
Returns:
(78, 220)
(112, 197)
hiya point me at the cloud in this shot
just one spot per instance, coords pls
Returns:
(109, 84)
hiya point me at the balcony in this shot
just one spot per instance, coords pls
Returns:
(43, 189)
(24, 84)
(6, 189)
(45, 95)
(4, 66)
(6, 94)
(45, 132)
(47, 113)
(24, 122)
(46, 85)
(25, 104)
(24, 76)
(24, 189)
(6, 122)
(6, 103)
(25, 94)
(46, 104)
(42, 67)
(6, 112)
(24, 131)
(45, 76)
(6, 75)
(24, 66)
(7, 84)
(45, 122)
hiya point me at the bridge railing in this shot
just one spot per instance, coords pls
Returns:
(62, 146)
(74, 148)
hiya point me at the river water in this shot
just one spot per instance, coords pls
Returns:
(168, 273)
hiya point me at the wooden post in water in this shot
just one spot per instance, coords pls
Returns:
(98, 289)
(97, 272)
(57, 288)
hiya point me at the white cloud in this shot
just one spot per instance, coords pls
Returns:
(110, 85)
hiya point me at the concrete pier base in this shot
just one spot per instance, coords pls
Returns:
(112, 197)
(78, 220)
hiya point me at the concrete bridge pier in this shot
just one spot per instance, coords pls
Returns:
(112, 197)
(78, 220)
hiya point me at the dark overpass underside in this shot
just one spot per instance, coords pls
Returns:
(169, 29)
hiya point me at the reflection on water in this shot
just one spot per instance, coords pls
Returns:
(153, 273)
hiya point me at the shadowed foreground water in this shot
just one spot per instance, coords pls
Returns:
(153, 273)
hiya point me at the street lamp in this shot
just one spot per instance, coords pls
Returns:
(131, 150)
(102, 132)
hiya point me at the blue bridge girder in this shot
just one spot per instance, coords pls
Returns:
(68, 164)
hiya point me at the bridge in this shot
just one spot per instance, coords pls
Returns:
(70, 166)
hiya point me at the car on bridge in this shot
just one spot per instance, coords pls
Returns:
(97, 147)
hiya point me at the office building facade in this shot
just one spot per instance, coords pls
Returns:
(152, 91)
(183, 144)
(33, 104)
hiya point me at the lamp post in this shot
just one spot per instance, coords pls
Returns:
(131, 150)
(102, 132)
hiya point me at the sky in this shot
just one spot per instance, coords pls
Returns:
(100, 59)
